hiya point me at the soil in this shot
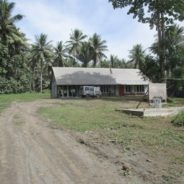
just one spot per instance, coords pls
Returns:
(33, 152)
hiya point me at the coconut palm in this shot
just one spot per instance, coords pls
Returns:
(137, 55)
(98, 47)
(115, 62)
(42, 51)
(174, 35)
(59, 52)
(75, 42)
(85, 54)
(8, 30)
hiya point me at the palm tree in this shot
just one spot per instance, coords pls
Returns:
(8, 30)
(137, 55)
(59, 52)
(174, 35)
(42, 51)
(115, 62)
(75, 42)
(85, 54)
(98, 47)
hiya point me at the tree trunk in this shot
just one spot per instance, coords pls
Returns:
(41, 76)
(41, 81)
(94, 62)
(161, 47)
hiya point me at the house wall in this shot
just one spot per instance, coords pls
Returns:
(157, 90)
(53, 88)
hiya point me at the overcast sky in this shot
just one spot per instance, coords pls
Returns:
(57, 18)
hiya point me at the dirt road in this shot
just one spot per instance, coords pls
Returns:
(33, 153)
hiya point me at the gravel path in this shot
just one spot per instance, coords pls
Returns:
(33, 153)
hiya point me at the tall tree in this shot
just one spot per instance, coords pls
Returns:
(59, 52)
(85, 54)
(115, 62)
(42, 51)
(137, 55)
(8, 30)
(174, 35)
(13, 48)
(98, 47)
(157, 13)
(75, 42)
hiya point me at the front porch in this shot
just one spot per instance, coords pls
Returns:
(73, 91)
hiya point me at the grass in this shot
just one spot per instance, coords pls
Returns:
(7, 99)
(178, 120)
(100, 115)
(157, 138)
(175, 102)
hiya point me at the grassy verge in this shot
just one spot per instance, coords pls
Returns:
(7, 99)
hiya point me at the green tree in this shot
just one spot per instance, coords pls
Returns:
(115, 62)
(174, 50)
(137, 55)
(8, 31)
(150, 68)
(13, 49)
(85, 54)
(59, 54)
(75, 42)
(157, 13)
(98, 47)
(42, 52)
(174, 35)
(105, 63)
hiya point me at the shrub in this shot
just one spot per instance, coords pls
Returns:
(178, 120)
(11, 85)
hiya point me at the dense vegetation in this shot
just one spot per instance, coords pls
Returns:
(24, 66)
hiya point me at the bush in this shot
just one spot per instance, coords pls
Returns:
(179, 119)
(11, 85)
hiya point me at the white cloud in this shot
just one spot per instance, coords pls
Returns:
(46, 19)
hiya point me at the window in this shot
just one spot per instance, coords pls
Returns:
(128, 89)
(139, 89)
(134, 89)
(91, 89)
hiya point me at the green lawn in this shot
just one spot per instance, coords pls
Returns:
(7, 99)
(158, 138)
(100, 115)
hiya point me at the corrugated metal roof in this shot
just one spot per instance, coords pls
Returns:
(98, 76)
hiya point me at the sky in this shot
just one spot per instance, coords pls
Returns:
(57, 19)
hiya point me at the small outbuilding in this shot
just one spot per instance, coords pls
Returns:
(66, 81)
(157, 90)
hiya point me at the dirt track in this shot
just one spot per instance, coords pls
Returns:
(33, 153)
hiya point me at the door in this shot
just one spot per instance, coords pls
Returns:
(121, 91)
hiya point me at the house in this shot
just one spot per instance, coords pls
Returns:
(66, 81)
